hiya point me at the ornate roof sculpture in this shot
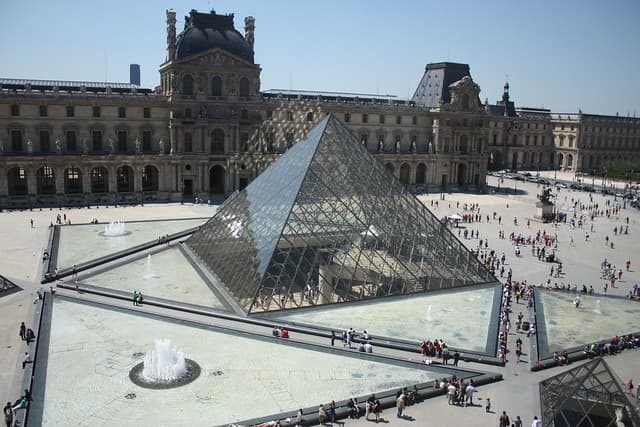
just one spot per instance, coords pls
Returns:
(325, 224)
(587, 395)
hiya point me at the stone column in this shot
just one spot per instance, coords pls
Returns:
(86, 179)
(137, 178)
(325, 277)
(59, 177)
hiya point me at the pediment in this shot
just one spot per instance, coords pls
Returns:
(216, 57)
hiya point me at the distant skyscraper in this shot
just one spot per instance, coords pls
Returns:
(134, 74)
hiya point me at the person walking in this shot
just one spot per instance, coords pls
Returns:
(504, 420)
(400, 404)
(23, 331)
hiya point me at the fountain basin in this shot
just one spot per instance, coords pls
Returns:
(192, 372)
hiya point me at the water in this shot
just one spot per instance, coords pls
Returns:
(164, 363)
(597, 309)
(429, 316)
(115, 228)
(149, 274)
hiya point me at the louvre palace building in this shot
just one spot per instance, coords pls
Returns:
(208, 129)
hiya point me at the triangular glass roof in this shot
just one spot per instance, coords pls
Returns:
(324, 224)
(587, 395)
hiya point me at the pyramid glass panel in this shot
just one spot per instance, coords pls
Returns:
(325, 224)
(587, 395)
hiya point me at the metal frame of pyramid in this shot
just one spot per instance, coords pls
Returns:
(325, 224)
(587, 395)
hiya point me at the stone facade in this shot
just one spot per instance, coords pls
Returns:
(208, 130)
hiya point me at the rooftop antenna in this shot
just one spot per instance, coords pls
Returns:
(105, 65)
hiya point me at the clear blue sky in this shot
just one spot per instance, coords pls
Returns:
(564, 55)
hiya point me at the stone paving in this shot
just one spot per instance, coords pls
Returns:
(20, 261)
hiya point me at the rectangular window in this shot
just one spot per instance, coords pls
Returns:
(398, 120)
(347, 117)
(15, 110)
(146, 141)
(364, 139)
(414, 120)
(535, 139)
(269, 114)
(71, 141)
(16, 141)
(70, 111)
(96, 111)
(44, 141)
(146, 112)
(122, 112)
(122, 141)
(365, 118)
(44, 112)
(96, 137)
(188, 142)
(381, 119)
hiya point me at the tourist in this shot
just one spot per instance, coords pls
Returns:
(400, 404)
(368, 348)
(469, 394)
(332, 412)
(333, 338)
(8, 414)
(322, 414)
(299, 417)
(134, 298)
(504, 420)
(377, 409)
(23, 331)
(29, 336)
(26, 360)
(139, 299)
(275, 331)
(517, 422)
(536, 422)
(487, 407)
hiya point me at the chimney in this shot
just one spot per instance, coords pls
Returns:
(171, 34)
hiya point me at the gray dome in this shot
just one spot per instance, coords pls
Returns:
(204, 31)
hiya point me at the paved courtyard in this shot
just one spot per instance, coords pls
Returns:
(20, 261)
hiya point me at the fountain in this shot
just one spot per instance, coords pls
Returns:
(149, 274)
(115, 228)
(429, 317)
(164, 367)
(164, 363)
(597, 309)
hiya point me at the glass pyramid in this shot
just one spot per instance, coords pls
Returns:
(587, 395)
(325, 224)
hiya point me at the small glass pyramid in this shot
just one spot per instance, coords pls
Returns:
(587, 395)
(326, 224)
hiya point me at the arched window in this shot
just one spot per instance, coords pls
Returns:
(389, 167)
(309, 116)
(421, 174)
(17, 182)
(187, 85)
(124, 177)
(244, 87)
(72, 181)
(99, 181)
(46, 180)
(216, 179)
(216, 86)
(217, 141)
(569, 160)
(405, 171)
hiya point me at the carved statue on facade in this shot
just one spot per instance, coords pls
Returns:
(58, 146)
(112, 146)
(138, 146)
(249, 28)
(380, 146)
(29, 146)
(397, 146)
(430, 147)
(413, 146)
(161, 145)
(85, 146)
